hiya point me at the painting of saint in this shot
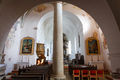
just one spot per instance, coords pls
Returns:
(92, 46)
(27, 46)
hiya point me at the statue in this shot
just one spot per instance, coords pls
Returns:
(2, 59)
(65, 47)
(2, 56)
(41, 59)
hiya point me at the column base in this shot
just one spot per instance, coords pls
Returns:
(58, 77)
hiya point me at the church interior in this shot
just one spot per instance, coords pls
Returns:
(61, 41)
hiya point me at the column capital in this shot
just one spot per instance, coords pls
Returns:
(55, 2)
(59, 2)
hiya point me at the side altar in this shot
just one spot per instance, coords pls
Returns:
(99, 64)
(40, 50)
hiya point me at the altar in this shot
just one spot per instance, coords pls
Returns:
(20, 65)
(99, 64)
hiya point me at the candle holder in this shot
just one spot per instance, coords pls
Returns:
(91, 58)
(98, 58)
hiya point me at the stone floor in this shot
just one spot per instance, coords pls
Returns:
(68, 76)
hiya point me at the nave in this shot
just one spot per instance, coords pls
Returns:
(79, 33)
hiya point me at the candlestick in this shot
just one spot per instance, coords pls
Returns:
(28, 59)
(22, 58)
(91, 58)
(98, 57)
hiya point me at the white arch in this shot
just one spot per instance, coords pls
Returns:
(102, 14)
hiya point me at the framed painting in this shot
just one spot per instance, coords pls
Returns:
(92, 46)
(27, 46)
(40, 47)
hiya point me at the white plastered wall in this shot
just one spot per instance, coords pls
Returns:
(102, 15)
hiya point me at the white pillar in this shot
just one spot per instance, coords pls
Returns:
(58, 69)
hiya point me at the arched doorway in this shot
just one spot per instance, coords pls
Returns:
(117, 50)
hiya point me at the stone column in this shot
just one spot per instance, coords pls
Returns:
(58, 69)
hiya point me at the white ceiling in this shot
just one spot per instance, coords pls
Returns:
(71, 25)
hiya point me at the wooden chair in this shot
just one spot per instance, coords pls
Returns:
(76, 73)
(85, 74)
(100, 74)
(93, 74)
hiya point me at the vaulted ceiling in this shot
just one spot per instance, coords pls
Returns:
(115, 7)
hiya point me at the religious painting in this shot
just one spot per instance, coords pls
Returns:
(27, 46)
(92, 45)
(40, 47)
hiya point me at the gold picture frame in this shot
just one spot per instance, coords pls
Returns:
(27, 46)
(92, 46)
(40, 49)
